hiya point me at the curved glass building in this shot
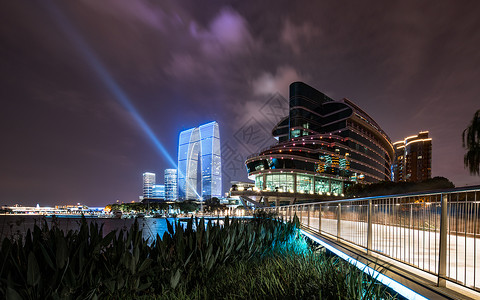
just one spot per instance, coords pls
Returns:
(199, 156)
(324, 145)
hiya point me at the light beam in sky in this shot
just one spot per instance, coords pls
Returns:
(119, 94)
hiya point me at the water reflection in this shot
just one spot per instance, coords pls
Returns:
(16, 225)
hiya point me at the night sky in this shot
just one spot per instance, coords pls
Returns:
(82, 80)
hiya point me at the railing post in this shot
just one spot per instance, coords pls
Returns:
(369, 226)
(300, 213)
(339, 212)
(442, 257)
(295, 212)
(410, 222)
(308, 216)
(319, 218)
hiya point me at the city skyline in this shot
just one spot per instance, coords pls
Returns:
(95, 93)
(151, 189)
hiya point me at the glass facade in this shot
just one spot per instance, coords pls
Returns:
(188, 155)
(148, 184)
(159, 191)
(322, 185)
(199, 147)
(211, 160)
(171, 185)
(298, 183)
(304, 183)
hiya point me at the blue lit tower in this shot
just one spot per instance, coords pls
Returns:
(171, 185)
(211, 160)
(188, 158)
(199, 146)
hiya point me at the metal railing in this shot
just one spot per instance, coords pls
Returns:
(435, 232)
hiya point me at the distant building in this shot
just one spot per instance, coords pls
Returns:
(199, 156)
(148, 183)
(171, 187)
(158, 191)
(413, 158)
(398, 166)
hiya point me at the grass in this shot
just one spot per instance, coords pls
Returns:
(286, 274)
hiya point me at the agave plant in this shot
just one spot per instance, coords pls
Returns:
(192, 259)
(51, 263)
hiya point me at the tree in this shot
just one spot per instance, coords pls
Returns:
(471, 142)
(187, 206)
(393, 188)
(213, 204)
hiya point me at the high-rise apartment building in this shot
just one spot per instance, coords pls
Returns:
(199, 156)
(148, 184)
(413, 158)
(171, 187)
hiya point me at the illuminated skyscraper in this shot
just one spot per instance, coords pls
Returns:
(413, 158)
(171, 185)
(199, 146)
(148, 184)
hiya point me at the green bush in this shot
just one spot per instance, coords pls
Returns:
(393, 188)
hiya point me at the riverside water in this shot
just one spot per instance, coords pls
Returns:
(16, 225)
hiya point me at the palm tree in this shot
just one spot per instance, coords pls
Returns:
(471, 142)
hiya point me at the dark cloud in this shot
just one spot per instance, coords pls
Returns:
(411, 65)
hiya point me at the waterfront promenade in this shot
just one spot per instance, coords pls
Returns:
(414, 247)
(434, 235)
